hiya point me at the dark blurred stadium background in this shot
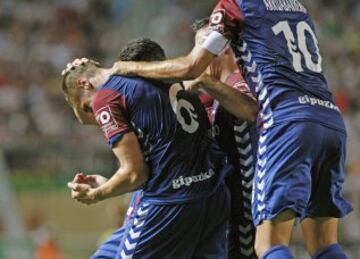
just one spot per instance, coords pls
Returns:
(42, 146)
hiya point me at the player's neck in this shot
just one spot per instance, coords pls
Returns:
(100, 78)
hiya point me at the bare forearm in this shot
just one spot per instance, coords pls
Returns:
(120, 183)
(181, 68)
(240, 105)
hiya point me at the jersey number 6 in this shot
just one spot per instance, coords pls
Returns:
(301, 29)
(181, 106)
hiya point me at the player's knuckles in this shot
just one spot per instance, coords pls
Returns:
(68, 66)
(80, 187)
(84, 60)
(76, 62)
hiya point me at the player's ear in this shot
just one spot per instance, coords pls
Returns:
(86, 107)
(84, 83)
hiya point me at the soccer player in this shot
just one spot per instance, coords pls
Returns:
(301, 151)
(236, 136)
(161, 136)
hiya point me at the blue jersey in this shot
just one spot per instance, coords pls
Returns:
(276, 44)
(237, 138)
(172, 128)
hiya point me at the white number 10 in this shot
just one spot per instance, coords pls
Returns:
(301, 29)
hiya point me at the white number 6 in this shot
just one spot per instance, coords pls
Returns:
(179, 103)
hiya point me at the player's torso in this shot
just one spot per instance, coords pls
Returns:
(174, 133)
(282, 63)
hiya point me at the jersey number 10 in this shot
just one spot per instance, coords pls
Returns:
(301, 29)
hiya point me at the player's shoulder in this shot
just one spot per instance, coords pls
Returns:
(116, 82)
(110, 92)
(121, 85)
(124, 88)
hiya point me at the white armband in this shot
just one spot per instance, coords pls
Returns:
(215, 42)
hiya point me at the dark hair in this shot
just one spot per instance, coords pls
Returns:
(200, 24)
(142, 49)
(87, 69)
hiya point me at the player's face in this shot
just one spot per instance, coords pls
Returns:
(82, 109)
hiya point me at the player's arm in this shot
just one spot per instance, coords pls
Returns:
(232, 99)
(132, 173)
(225, 22)
(182, 68)
(111, 111)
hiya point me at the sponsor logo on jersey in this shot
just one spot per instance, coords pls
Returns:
(106, 120)
(305, 99)
(188, 180)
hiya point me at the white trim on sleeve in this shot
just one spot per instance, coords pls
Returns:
(215, 42)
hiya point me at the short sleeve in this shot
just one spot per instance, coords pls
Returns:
(111, 114)
(225, 24)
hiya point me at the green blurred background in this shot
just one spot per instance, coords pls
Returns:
(42, 146)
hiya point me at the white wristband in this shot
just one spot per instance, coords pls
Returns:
(215, 42)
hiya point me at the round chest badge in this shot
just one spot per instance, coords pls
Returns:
(104, 117)
(217, 17)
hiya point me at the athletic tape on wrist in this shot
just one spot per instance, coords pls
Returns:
(215, 42)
